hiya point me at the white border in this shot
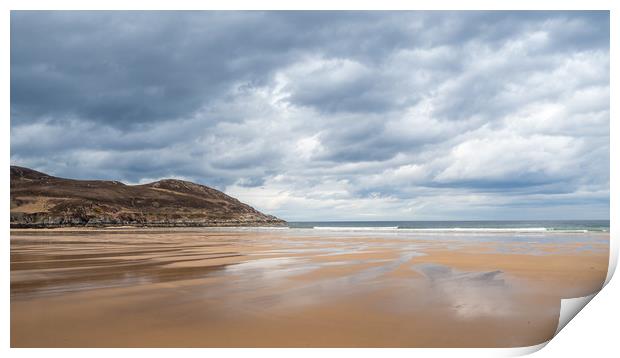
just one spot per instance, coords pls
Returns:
(594, 329)
(312, 5)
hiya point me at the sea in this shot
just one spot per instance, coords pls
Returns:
(458, 226)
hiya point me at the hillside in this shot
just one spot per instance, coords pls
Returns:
(41, 200)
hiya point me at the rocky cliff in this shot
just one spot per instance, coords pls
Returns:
(41, 200)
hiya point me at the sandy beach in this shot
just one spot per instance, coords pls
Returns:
(285, 288)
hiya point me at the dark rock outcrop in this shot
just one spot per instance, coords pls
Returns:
(41, 200)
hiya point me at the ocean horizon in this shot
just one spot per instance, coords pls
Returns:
(459, 225)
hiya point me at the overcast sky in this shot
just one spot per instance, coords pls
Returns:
(325, 115)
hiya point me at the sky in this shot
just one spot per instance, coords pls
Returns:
(405, 115)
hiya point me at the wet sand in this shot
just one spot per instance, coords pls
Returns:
(281, 288)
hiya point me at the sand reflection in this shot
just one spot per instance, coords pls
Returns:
(260, 288)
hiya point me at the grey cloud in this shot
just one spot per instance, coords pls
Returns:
(299, 113)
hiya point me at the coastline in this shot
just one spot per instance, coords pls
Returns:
(215, 223)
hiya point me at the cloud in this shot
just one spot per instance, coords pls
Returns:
(325, 115)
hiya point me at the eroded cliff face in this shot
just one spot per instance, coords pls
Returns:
(41, 200)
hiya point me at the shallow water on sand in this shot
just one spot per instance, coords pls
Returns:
(240, 288)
